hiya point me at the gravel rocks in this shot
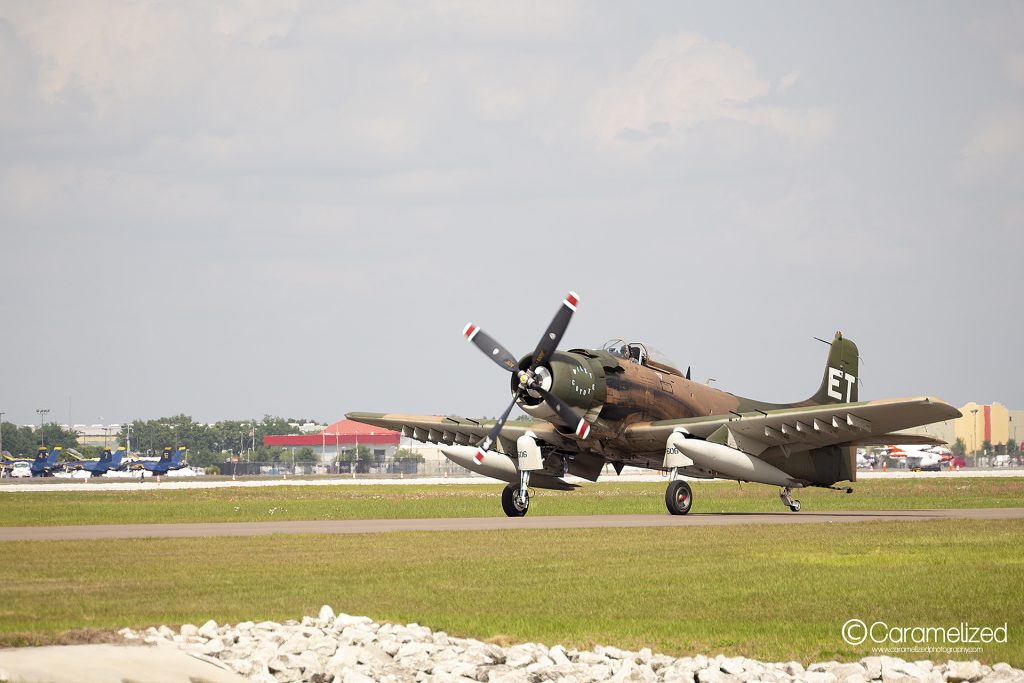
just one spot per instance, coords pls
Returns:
(339, 648)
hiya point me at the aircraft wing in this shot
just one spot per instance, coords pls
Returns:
(453, 430)
(803, 428)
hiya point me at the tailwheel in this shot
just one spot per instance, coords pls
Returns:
(787, 499)
(678, 497)
(512, 503)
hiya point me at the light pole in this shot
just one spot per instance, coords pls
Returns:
(1, 432)
(128, 438)
(42, 415)
(974, 439)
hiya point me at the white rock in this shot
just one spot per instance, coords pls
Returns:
(243, 667)
(518, 658)
(732, 666)
(818, 677)
(558, 655)
(208, 630)
(793, 668)
(843, 672)
(854, 678)
(822, 666)
(326, 615)
(212, 647)
(963, 671)
(677, 676)
(714, 675)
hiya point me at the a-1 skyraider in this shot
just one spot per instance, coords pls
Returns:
(625, 404)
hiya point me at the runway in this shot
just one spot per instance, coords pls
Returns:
(51, 485)
(375, 526)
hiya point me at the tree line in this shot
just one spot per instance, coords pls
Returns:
(25, 441)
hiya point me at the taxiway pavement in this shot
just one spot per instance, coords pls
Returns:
(372, 526)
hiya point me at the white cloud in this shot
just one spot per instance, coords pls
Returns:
(994, 155)
(687, 82)
(1015, 67)
(1000, 134)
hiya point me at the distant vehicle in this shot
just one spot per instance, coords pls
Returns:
(865, 460)
(172, 459)
(45, 463)
(108, 461)
(21, 468)
(921, 458)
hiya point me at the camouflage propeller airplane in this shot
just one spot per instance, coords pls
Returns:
(626, 404)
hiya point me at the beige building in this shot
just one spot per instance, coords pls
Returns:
(981, 423)
(1017, 425)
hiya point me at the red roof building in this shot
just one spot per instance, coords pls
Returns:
(341, 434)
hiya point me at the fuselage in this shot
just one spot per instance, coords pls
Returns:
(615, 391)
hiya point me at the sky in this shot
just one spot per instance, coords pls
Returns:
(293, 208)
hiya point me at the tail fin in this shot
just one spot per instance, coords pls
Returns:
(166, 456)
(839, 383)
(54, 454)
(179, 454)
(106, 457)
(115, 458)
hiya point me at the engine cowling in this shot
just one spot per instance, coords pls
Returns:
(574, 378)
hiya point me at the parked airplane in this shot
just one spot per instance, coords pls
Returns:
(172, 459)
(926, 458)
(626, 404)
(106, 462)
(46, 462)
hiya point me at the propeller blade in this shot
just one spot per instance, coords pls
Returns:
(565, 411)
(492, 435)
(549, 342)
(486, 343)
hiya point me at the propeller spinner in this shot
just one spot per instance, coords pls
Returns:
(535, 376)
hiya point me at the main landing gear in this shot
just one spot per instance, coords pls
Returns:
(678, 497)
(787, 499)
(515, 500)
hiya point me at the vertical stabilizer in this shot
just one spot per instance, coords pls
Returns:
(839, 383)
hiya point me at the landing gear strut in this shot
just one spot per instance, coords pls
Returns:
(787, 499)
(515, 500)
(678, 497)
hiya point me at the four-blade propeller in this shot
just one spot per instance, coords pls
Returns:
(532, 378)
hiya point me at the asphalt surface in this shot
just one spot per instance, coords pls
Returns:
(106, 483)
(374, 526)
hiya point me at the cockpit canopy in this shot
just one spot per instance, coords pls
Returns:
(641, 354)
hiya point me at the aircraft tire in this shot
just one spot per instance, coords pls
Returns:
(795, 507)
(509, 503)
(678, 497)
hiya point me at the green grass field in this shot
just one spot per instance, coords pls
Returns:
(775, 593)
(477, 500)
